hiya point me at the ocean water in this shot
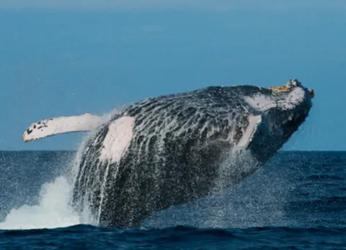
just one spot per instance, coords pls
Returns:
(297, 201)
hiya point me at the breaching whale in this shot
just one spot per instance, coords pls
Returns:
(168, 150)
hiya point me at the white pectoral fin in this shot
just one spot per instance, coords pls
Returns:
(250, 131)
(61, 125)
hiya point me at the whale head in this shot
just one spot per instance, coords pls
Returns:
(294, 102)
(282, 109)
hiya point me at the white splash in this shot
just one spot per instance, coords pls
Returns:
(53, 210)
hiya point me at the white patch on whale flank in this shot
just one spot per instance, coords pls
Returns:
(261, 102)
(250, 131)
(118, 139)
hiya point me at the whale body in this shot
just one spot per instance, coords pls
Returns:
(173, 149)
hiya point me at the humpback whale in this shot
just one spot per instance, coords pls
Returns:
(169, 150)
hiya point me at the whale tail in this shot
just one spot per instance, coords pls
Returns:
(61, 125)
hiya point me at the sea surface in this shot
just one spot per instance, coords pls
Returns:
(297, 201)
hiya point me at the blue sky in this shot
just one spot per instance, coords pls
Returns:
(71, 57)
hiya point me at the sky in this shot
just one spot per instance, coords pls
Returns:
(60, 58)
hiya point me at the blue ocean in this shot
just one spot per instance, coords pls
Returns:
(297, 201)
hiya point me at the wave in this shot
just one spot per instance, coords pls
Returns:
(177, 238)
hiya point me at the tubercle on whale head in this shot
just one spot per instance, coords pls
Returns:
(292, 84)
